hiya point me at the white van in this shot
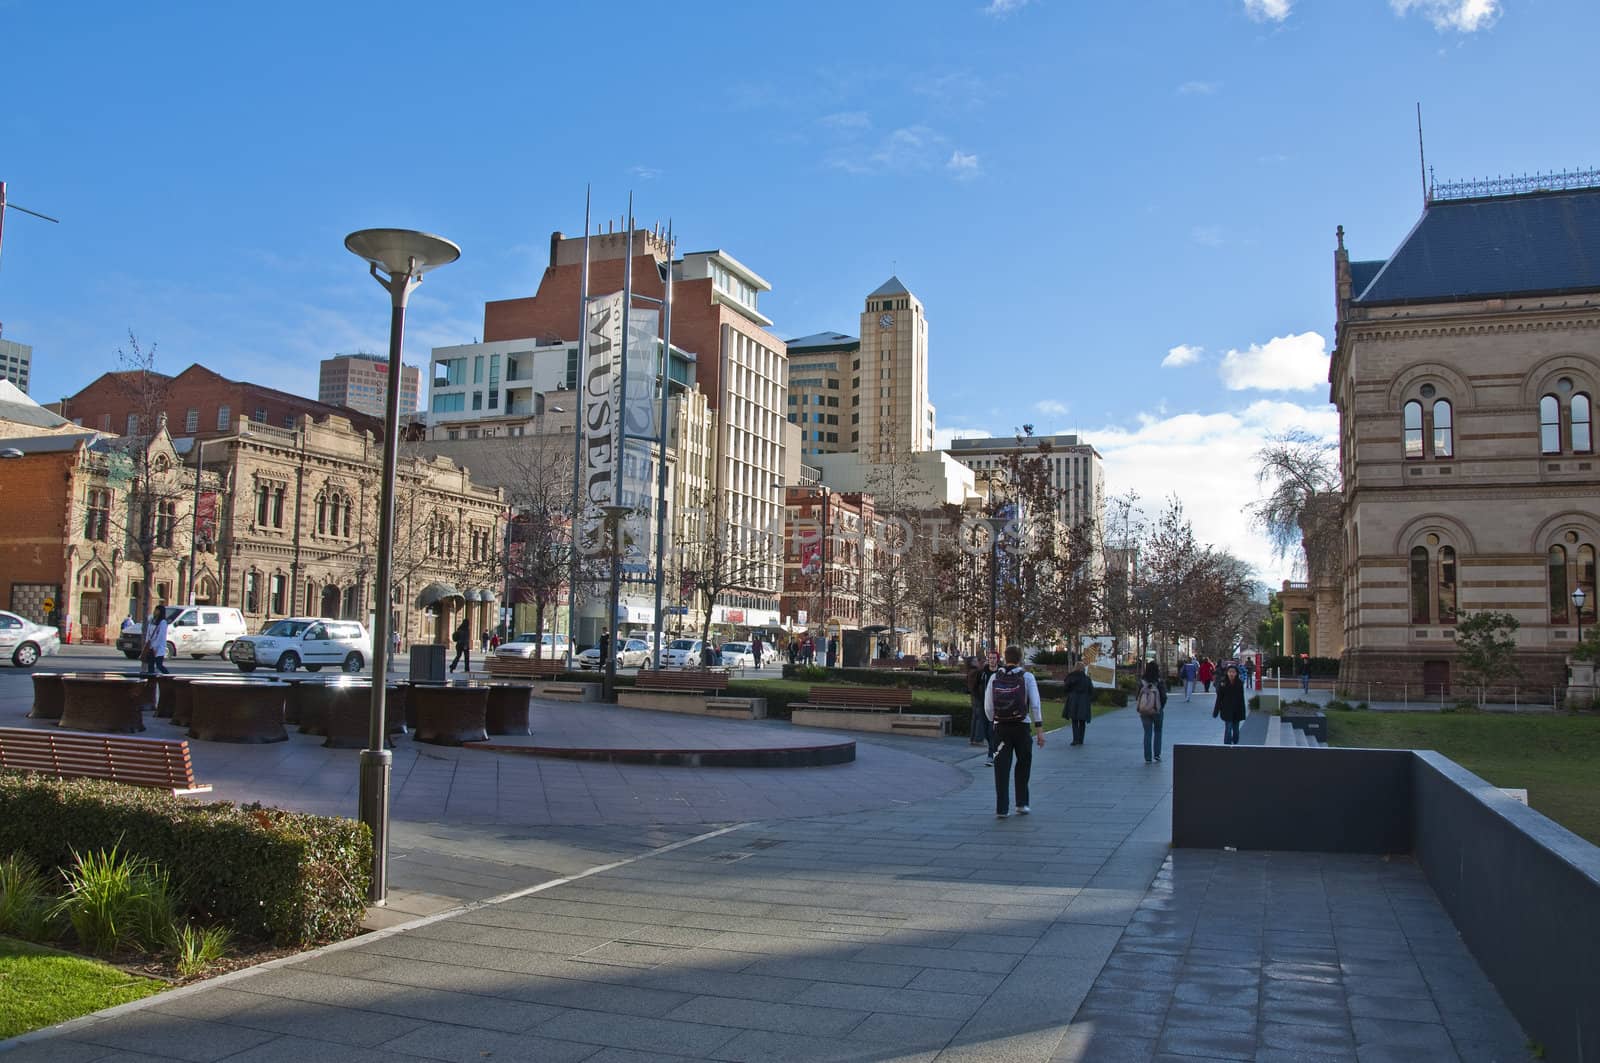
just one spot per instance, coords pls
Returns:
(201, 629)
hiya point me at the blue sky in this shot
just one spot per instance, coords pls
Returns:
(1073, 189)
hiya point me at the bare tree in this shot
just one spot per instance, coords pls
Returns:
(887, 587)
(539, 496)
(718, 556)
(1303, 505)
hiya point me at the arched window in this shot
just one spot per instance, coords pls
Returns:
(1413, 429)
(1419, 585)
(349, 504)
(1550, 425)
(322, 514)
(1443, 434)
(1558, 585)
(1447, 585)
(1585, 580)
(1582, 436)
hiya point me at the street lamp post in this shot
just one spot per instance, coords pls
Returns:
(1578, 598)
(397, 259)
(614, 515)
(996, 526)
(194, 512)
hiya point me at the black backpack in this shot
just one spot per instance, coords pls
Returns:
(1008, 691)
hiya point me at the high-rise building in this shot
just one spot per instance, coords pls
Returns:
(740, 367)
(361, 382)
(1075, 471)
(821, 369)
(891, 386)
(16, 361)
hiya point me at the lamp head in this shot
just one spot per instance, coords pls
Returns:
(1578, 597)
(402, 251)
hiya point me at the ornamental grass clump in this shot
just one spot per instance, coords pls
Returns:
(25, 899)
(194, 947)
(108, 902)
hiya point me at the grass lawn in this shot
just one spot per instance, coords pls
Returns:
(1556, 757)
(41, 987)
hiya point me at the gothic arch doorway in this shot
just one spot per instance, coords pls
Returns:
(330, 602)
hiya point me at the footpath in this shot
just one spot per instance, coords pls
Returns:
(921, 929)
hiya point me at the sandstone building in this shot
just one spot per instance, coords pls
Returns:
(1465, 369)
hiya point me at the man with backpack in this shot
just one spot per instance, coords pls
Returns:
(1152, 706)
(1011, 702)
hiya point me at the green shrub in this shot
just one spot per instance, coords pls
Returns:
(1336, 705)
(1054, 657)
(1111, 696)
(1255, 703)
(1321, 667)
(107, 902)
(194, 948)
(24, 899)
(292, 878)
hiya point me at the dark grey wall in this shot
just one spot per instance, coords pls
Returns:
(1525, 894)
(1287, 798)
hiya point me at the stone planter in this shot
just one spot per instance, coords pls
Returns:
(1314, 724)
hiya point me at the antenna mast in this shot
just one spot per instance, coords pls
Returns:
(1422, 157)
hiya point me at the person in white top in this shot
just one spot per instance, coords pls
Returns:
(1011, 702)
(155, 642)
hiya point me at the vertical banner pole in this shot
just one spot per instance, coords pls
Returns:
(661, 451)
(619, 452)
(577, 443)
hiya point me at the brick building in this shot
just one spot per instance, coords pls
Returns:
(830, 540)
(198, 403)
(1465, 369)
(361, 382)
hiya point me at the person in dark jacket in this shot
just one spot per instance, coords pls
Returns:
(1152, 724)
(978, 676)
(1207, 671)
(1080, 701)
(463, 641)
(1230, 705)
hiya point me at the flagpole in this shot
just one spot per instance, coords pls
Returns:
(577, 444)
(661, 449)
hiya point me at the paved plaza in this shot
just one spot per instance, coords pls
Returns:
(870, 911)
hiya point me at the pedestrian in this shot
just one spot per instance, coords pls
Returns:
(1011, 702)
(1230, 705)
(463, 641)
(155, 642)
(1152, 705)
(483, 643)
(396, 640)
(1207, 671)
(1080, 701)
(128, 624)
(833, 651)
(755, 650)
(978, 675)
(791, 649)
(1190, 671)
(1305, 674)
(1249, 672)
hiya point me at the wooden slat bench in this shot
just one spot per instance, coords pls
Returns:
(682, 680)
(895, 663)
(159, 762)
(697, 691)
(526, 667)
(866, 709)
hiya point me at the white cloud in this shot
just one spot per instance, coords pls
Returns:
(1181, 355)
(1199, 88)
(1464, 16)
(644, 173)
(1208, 461)
(943, 436)
(1002, 8)
(963, 165)
(1284, 363)
(846, 120)
(1050, 406)
(1268, 10)
(1207, 235)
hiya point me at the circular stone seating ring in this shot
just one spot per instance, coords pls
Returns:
(167, 694)
(506, 712)
(450, 714)
(349, 718)
(237, 710)
(182, 687)
(49, 696)
(104, 702)
(318, 697)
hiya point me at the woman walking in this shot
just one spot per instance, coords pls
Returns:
(1152, 694)
(1230, 705)
(978, 676)
(1080, 701)
(1207, 672)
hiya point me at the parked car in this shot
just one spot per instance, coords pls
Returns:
(555, 645)
(682, 653)
(305, 641)
(635, 653)
(193, 629)
(24, 641)
(737, 655)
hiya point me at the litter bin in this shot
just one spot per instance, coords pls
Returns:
(427, 664)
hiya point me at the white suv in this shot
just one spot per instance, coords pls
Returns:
(305, 641)
(554, 646)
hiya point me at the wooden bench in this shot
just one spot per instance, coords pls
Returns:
(866, 709)
(526, 667)
(682, 680)
(159, 762)
(896, 663)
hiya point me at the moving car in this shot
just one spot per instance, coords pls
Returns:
(738, 655)
(523, 645)
(193, 629)
(309, 641)
(24, 641)
(682, 653)
(635, 653)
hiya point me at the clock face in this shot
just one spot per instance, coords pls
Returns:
(886, 321)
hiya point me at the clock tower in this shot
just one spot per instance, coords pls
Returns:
(890, 414)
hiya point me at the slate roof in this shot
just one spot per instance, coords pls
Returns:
(1361, 274)
(828, 341)
(1537, 243)
(892, 286)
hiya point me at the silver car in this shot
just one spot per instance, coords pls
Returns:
(554, 646)
(24, 641)
(738, 655)
(635, 653)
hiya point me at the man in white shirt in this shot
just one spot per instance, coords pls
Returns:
(1011, 701)
(156, 642)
